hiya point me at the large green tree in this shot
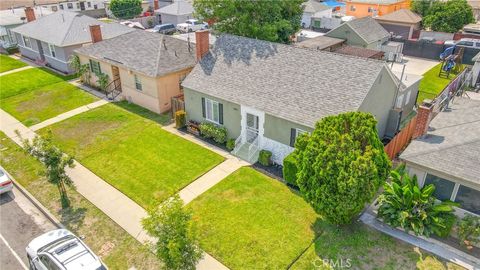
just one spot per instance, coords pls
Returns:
(274, 21)
(126, 9)
(421, 7)
(341, 165)
(449, 16)
(176, 242)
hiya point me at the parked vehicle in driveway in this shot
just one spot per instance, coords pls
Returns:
(167, 28)
(469, 43)
(61, 250)
(6, 183)
(191, 25)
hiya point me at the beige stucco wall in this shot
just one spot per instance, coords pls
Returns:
(379, 100)
(156, 92)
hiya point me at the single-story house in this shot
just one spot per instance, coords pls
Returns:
(14, 17)
(314, 8)
(401, 22)
(149, 77)
(446, 152)
(476, 69)
(364, 32)
(265, 93)
(178, 12)
(51, 39)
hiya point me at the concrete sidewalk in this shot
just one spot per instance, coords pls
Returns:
(121, 209)
(68, 114)
(431, 245)
(15, 70)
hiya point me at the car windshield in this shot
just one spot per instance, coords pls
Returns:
(157, 27)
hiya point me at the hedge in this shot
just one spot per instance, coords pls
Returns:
(290, 169)
(265, 157)
(209, 130)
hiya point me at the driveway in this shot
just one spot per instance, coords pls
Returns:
(20, 222)
(413, 65)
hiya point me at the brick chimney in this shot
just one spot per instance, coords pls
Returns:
(424, 115)
(30, 14)
(202, 43)
(155, 5)
(96, 33)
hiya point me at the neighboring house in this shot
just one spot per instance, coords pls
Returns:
(446, 152)
(14, 17)
(51, 39)
(314, 8)
(323, 43)
(364, 32)
(373, 8)
(75, 5)
(176, 13)
(266, 94)
(476, 69)
(149, 76)
(360, 52)
(401, 22)
(475, 4)
(147, 5)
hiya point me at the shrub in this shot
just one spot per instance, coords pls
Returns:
(230, 144)
(449, 222)
(209, 130)
(180, 119)
(469, 230)
(403, 204)
(12, 50)
(290, 169)
(265, 158)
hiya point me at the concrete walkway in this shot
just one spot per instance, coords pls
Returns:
(121, 209)
(431, 245)
(68, 114)
(15, 70)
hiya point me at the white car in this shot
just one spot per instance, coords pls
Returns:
(6, 184)
(61, 250)
(191, 25)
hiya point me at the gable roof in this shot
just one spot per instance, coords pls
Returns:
(401, 16)
(65, 28)
(367, 28)
(359, 51)
(319, 43)
(296, 84)
(177, 8)
(157, 55)
(313, 6)
(452, 145)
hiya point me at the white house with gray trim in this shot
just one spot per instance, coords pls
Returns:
(51, 40)
(448, 155)
(265, 93)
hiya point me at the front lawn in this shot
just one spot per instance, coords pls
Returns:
(251, 221)
(431, 85)
(35, 106)
(27, 80)
(8, 63)
(124, 145)
(108, 240)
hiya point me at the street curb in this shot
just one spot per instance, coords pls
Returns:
(35, 202)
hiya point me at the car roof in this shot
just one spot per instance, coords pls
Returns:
(164, 24)
(470, 39)
(73, 254)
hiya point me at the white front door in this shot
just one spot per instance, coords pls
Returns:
(251, 127)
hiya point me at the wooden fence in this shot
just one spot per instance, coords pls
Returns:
(401, 139)
(178, 104)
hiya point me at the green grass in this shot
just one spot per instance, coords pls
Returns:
(28, 80)
(7, 63)
(35, 106)
(251, 221)
(114, 245)
(132, 152)
(431, 85)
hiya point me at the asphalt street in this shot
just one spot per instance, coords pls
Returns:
(20, 222)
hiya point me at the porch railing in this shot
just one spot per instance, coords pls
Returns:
(253, 146)
(238, 142)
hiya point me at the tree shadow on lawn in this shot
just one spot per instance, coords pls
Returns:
(162, 119)
(73, 218)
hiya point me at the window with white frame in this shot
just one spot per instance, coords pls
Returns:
(468, 198)
(212, 112)
(54, 8)
(352, 8)
(51, 47)
(443, 187)
(95, 67)
(78, 5)
(69, 5)
(61, 6)
(26, 42)
(138, 83)
(89, 4)
(95, 6)
(294, 133)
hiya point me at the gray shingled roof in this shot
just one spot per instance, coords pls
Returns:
(367, 28)
(179, 7)
(313, 6)
(65, 28)
(300, 85)
(149, 53)
(452, 144)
